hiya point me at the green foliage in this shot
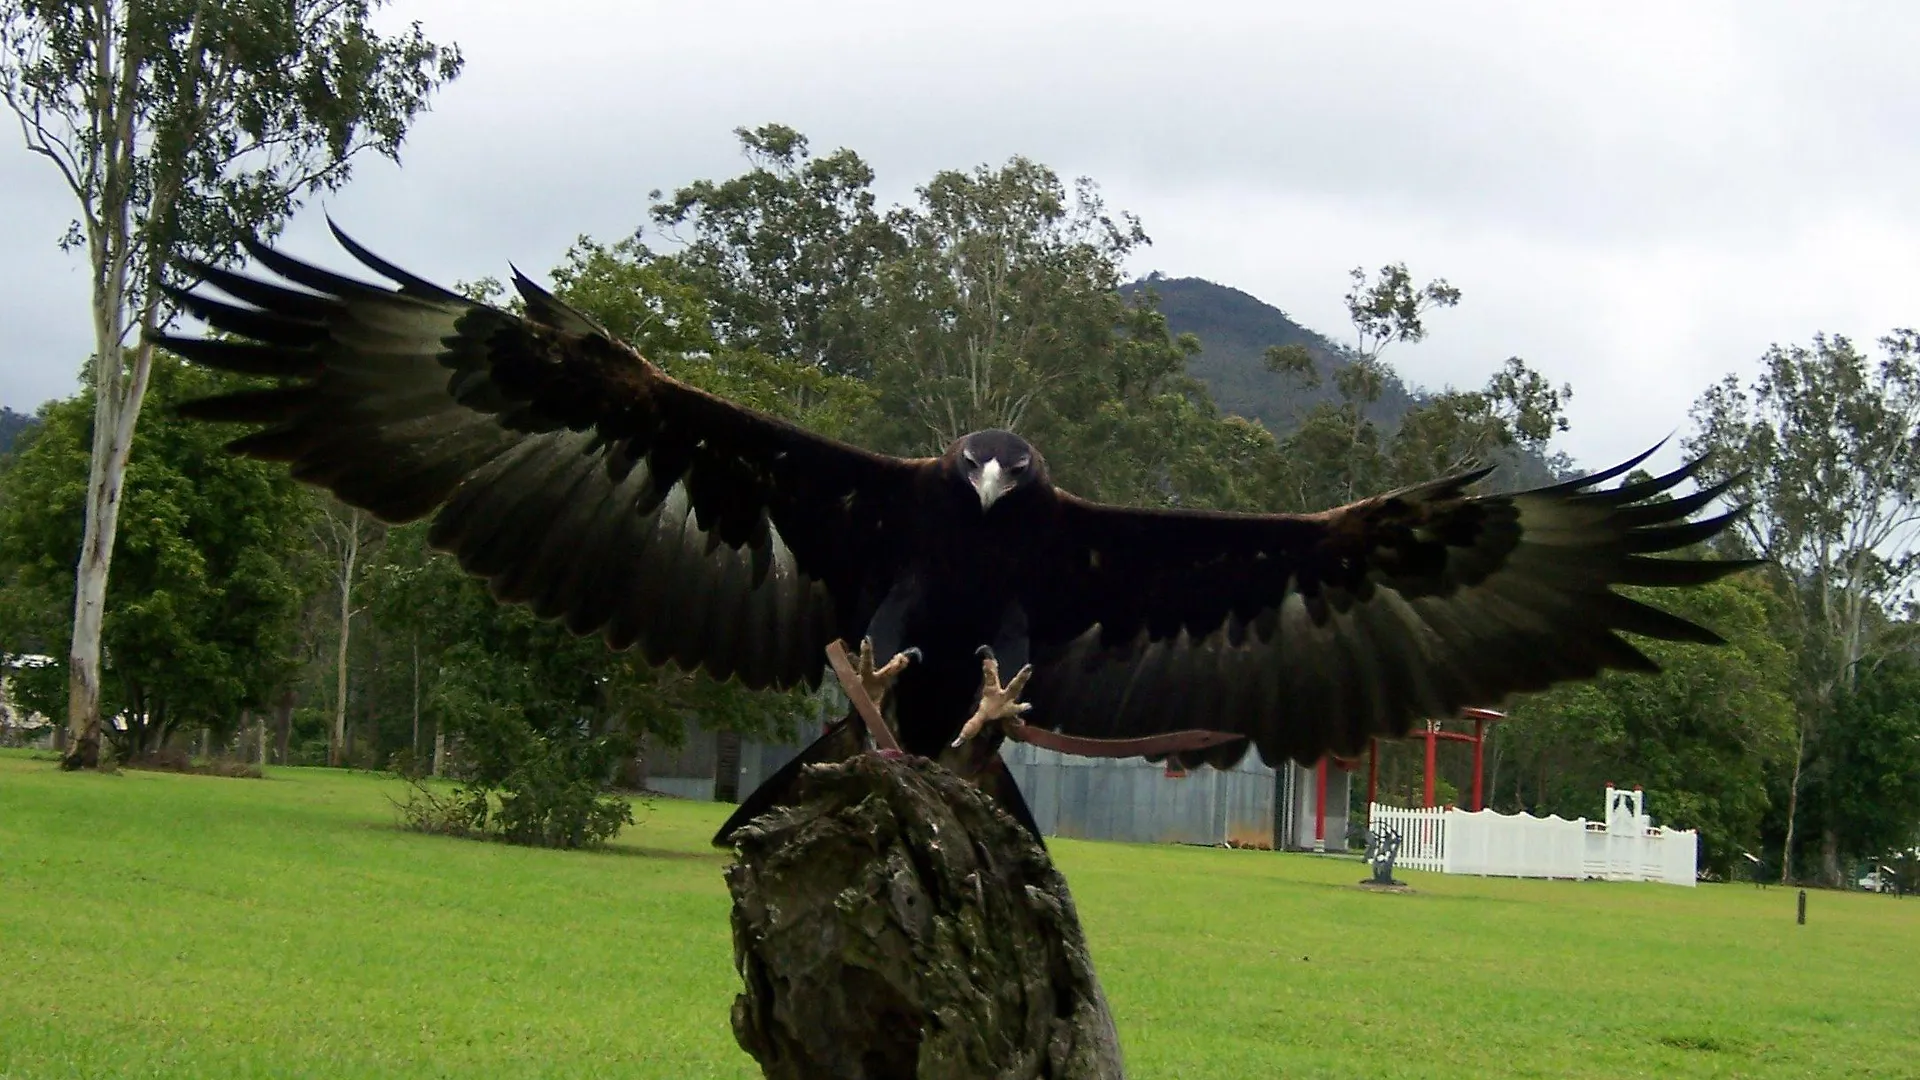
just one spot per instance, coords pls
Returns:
(993, 300)
(1824, 446)
(181, 129)
(647, 301)
(1391, 308)
(542, 792)
(786, 253)
(1865, 788)
(200, 617)
(1344, 448)
(1703, 736)
(220, 117)
(550, 798)
(1003, 310)
(538, 733)
(13, 427)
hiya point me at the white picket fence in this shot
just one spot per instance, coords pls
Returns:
(1625, 847)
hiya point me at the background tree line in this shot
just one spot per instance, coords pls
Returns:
(996, 296)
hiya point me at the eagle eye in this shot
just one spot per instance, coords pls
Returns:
(968, 454)
(1021, 465)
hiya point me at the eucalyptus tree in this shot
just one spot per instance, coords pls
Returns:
(1824, 445)
(180, 127)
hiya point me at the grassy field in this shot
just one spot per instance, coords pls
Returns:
(160, 925)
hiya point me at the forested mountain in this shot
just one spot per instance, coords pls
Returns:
(1235, 330)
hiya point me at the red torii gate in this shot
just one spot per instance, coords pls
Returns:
(1433, 734)
(1480, 717)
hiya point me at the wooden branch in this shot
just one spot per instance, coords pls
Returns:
(894, 922)
(863, 703)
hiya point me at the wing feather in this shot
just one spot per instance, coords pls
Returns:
(555, 462)
(1338, 627)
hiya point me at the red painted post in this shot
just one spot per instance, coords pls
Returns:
(1432, 726)
(1320, 807)
(1373, 770)
(1479, 745)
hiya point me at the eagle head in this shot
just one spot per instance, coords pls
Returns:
(995, 463)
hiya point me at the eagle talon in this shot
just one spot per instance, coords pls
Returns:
(878, 681)
(998, 704)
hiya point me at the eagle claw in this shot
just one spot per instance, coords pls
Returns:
(998, 703)
(878, 681)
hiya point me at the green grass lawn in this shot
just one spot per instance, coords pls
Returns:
(162, 925)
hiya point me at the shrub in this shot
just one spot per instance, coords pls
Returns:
(459, 812)
(543, 800)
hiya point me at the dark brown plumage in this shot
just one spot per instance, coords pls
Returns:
(581, 480)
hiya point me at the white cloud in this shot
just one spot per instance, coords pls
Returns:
(1636, 197)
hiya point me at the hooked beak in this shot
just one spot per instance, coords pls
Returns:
(990, 482)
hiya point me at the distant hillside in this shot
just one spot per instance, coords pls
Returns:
(11, 426)
(1235, 331)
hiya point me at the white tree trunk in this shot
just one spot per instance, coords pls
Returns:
(1793, 805)
(118, 396)
(89, 610)
(349, 555)
(118, 392)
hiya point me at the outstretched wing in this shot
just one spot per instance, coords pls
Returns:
(1313, 633)
(557, 463)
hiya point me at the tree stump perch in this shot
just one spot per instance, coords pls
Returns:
(894, 923)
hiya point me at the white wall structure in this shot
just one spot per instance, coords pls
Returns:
(1625, 847)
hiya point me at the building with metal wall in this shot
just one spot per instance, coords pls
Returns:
(1125, 799)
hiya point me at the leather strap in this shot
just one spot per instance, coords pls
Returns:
(1081, 746)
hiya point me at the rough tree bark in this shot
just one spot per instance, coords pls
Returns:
(895, 923)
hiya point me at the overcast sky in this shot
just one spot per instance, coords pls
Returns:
(1637, 198)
